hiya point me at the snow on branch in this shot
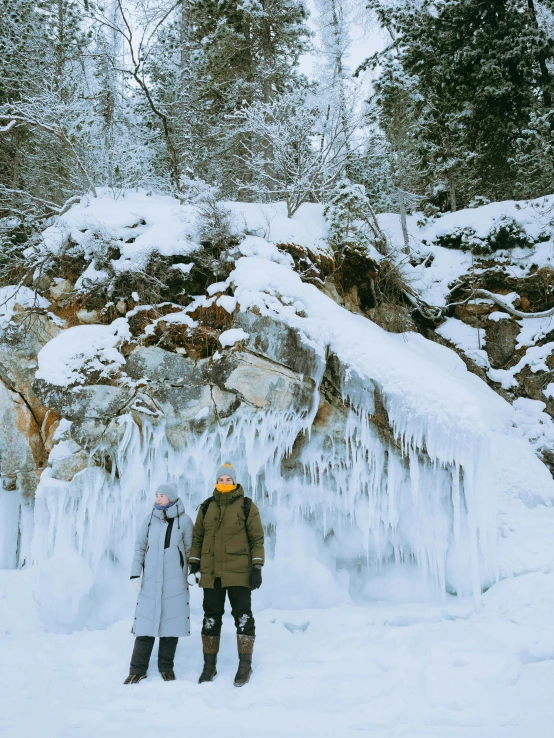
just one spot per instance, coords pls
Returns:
(509, 309)
(293, 156)
(21, 118)
(8, 126)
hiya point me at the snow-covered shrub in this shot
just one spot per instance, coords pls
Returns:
(478, 201)
(157, 281)
(506, 233)
(102, 276)
(14, 236)
(219, 236)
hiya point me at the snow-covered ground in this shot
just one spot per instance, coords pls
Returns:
(387, 670)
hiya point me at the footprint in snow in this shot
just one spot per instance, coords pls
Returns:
(292, 626)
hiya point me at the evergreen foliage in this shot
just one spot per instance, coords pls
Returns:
(351, 220)
(482, 93)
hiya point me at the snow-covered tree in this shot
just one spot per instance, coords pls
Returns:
(351, 220)
(244, 52)
(334, 23)
(285, 152)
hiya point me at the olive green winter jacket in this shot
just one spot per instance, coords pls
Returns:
(224, 543)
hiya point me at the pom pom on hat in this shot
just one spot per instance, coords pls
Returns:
(226, 469)
(170, 490)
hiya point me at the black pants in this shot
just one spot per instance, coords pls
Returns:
(241, 609)
(143, 649)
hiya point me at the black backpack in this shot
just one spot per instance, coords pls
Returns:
(246, 505)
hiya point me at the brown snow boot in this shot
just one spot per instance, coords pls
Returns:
(210, 647)
(245, 646)
(134, 678)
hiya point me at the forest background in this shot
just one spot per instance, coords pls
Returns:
(191, 97)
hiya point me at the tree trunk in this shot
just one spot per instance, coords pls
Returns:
(267, 52)
(403, 221)
(15, 169)
(185, 82)
(61, 41)
(452, 190)
(546, 84)
(337, 20)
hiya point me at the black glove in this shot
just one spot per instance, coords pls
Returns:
(256, 577)
(194, 568)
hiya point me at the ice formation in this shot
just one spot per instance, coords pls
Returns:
(368, 501)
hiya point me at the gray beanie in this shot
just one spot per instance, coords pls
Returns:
(226, 468)
(169, 489)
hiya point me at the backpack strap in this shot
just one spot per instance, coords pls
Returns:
(205, 505)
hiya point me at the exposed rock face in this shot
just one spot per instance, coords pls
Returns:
(393, 318)
(60, 289)
(26, 430)
(76, 403)
(21, 448)
(501, 341)
(26, 422)
(262, 383)
(519, 349)
(158, 365)
(275, 370)
(279, 343)
(68, 460)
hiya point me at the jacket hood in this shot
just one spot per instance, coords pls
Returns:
(174, 511)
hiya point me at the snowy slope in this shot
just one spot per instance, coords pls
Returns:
(143, 222)
(433, 277)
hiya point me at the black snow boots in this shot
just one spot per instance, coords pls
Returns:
(244, 671)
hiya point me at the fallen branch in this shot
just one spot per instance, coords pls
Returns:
(509, 309)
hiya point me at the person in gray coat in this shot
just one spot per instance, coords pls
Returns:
(161, 553)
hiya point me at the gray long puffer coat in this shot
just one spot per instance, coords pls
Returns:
(161, 553)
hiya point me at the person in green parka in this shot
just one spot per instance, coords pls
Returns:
(228, 551)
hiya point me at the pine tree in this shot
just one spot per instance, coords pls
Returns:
(351, 220)
(482, 72)
(45, 107)
(243, 52)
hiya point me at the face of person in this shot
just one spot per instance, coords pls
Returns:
(162, 499)
(225, 479)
